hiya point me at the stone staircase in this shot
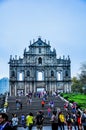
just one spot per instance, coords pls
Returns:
(34, 107)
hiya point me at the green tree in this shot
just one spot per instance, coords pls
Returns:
(82, 77)
(76, 85)
(83, 74)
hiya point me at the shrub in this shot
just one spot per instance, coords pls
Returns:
(71, 100)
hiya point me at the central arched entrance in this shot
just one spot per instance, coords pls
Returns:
(40, 89)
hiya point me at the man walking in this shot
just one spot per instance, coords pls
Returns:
(39, 120)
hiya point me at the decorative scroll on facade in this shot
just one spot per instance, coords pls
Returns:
(39, 69)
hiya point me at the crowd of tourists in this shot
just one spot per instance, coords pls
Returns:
(72, 118)
(25, 121)
(58, 120)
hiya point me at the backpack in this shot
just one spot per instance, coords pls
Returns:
(39, 119)
(69, 119)
(74, 118)
(61, 118)
(83, 119)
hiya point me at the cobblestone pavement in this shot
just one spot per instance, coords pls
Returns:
(44, 128)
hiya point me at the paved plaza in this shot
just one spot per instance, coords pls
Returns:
(34, 128)
(44, 128)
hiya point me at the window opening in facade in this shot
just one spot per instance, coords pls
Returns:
(59, 75)
(66, 73)
(52, 74)
(20, 76)
(40, 76)
(39, 50)
(28, 73)
(40, 60)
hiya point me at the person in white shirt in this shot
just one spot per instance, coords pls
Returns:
(15, 122)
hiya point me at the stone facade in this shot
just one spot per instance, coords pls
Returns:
(38, 70)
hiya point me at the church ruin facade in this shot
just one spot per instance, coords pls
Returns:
(39, 70)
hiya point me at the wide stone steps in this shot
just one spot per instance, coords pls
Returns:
(34, 107)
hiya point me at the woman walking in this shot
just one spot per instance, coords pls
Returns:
(29, 121)
(54, 121)
(15, 122)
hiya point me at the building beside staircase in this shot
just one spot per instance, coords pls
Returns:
(4, 85)
(39, 70)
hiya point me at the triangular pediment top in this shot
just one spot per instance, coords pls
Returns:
(39, 42)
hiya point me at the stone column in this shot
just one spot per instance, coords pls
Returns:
(46, 86)
(15, 89)
(30, 86)
(25, 89)
(50, 86)
(55, 86)
(65, 88)
(34, 87)
(10, 90)
(70, 87)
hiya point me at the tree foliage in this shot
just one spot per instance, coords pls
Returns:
(76, 85)
(79, 84)
(83, 74)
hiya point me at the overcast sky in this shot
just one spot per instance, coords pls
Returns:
(62, 22)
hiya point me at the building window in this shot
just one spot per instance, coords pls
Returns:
(40, 76)
(20, 76)
(28, 73)
(66, 73)
(59, 75)
(52, 74)
(40, 60)
(39, 50)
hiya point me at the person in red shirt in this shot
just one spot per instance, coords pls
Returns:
(49, 111)
(79, 123)
(42, 103)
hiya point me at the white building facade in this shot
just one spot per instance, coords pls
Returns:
(39, 70)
